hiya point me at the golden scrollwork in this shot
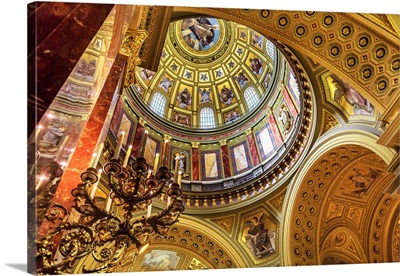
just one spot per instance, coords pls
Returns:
(131, 45)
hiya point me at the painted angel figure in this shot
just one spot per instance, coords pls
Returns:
(241, 79)
(205, 95)
(166, 83)
(257, 39)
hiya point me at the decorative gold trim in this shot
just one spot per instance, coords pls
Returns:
(131, 44)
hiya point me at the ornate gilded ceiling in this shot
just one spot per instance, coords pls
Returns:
(225, 69)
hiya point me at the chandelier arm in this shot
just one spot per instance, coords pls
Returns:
(157, 192)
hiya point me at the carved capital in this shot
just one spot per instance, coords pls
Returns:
(195, 145)
(222, 142)
(248, 131)
(131, 45)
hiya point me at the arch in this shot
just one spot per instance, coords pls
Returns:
(343, 244)
(207, 118)
(322, 146)
(158, 103)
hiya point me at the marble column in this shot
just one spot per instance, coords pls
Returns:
(195, 162)
(138, 138)
(225, 158)
(58, 34)
(252, 147)
(88, 140)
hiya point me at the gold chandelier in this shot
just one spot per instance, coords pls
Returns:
(105, 234)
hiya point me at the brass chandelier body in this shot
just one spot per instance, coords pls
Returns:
(102, 233)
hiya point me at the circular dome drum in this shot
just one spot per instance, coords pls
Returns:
(229, 101)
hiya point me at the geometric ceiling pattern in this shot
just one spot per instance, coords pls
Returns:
(209, 64)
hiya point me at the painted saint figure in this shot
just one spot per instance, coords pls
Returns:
(226, 95)
(344, 90)
(166, 83)
(256, 65)
(258, 238)
(184, 98)
(205, 95)
(241, 79)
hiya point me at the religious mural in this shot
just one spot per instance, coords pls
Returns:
(231, 116)
(205, 95)
(348, 98)
(241, 79)
(226, 96)
(259, 235)
(256, 64)
(160, 260)
(166, 83)
(257, 40)
(357, 181)
(147, 75)
(181, 119)
(293, 85)
(85, 69)
(184, 97)
(200, 33)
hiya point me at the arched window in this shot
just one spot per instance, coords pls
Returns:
(207, 119)
(251, 97)
(158, 103)
(271, 49)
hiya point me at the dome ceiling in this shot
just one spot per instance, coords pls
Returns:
(227, 101)
(212, 73)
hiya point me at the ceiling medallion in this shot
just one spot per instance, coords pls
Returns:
(396, 65)
(346, 31)
(328, 20)
(283, 21)
(200, 40)
(363, 41)
(300, 30)
(310, 13)
(334, 50)
(380, 53)
(265, 14)
(382, 85)
(317, 40)
(351, 61)
(367, 73)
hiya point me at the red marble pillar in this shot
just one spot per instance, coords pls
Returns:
(253, 149)
(58, 34)
(195, 164)
(225, 160)
(88, 139)
(137, 140)
(275, 131)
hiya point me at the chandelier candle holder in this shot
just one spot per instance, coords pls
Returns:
(99, 231)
